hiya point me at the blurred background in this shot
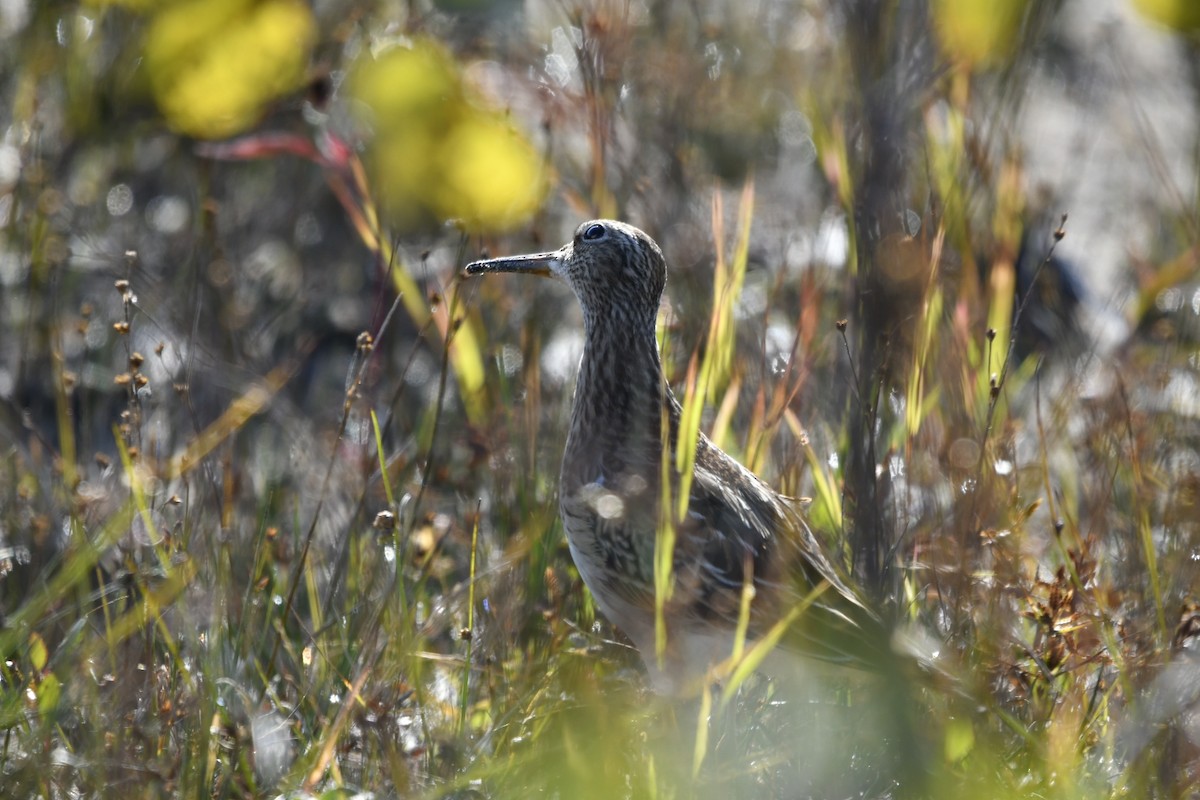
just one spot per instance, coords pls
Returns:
(278, 508)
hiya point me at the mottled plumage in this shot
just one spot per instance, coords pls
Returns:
(737, 528)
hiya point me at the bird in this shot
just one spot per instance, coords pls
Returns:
(617, 467)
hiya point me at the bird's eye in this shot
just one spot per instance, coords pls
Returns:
(593, 232)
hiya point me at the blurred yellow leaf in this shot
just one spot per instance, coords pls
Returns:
(960, 740)
(215, 64)
(132, 5)
(407, 87)
(404, 168)
(1182, 16)
(38, 654)
(492, 175)
(468, 366)
(978, 32)
(438, 152)
(49, 691)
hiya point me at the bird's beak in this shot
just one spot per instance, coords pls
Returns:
(545, 264)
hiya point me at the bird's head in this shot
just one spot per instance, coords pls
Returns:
(617, 271)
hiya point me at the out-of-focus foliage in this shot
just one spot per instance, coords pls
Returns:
(132, 5)
(1180, 15)
(214, 65)
(437, 149)
(978, 32)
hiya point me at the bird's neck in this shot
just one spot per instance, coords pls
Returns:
(621, 403)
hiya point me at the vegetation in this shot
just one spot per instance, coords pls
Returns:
(278, 504)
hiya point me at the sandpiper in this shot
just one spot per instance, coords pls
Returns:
(736, 531)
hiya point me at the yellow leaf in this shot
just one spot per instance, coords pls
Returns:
(404, 165)
(38, 655)
(408, 87)
(439, 152)
(960, 740)
(1182, 16)
(132, 5)
(978, 32)
(49, 690)
(214, 65)
(493, 178)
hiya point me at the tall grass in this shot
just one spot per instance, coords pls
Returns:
(278, 516)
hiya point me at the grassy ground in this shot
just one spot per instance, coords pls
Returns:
(278, 505)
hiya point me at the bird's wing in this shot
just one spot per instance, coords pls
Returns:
(738, 528)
